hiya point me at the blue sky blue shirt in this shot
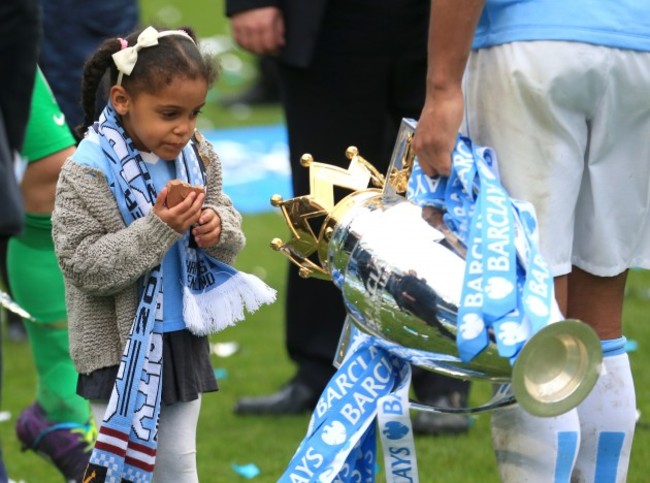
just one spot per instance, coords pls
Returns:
(623, 24)
(161, 172)
(90, 154)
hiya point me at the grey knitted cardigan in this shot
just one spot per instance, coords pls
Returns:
(102, 259)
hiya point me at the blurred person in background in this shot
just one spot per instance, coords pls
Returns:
(61, 60)
(72, 31)
(349, 71)
(19, 38)
(58, 424)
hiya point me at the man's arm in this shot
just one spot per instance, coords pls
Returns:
(451, 31)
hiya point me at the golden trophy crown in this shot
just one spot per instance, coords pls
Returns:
(318, 212)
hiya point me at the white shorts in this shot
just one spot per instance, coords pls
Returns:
(570, 124)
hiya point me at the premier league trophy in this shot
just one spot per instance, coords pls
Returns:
(400, 270)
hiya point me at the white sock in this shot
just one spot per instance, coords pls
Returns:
(534, 449)
(607, 420)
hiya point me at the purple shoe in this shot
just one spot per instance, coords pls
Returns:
(67, 445)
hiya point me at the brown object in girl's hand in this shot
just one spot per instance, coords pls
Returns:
(179, 190)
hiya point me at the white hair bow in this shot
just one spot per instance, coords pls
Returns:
(126, 58)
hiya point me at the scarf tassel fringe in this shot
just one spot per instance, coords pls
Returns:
(206, 314)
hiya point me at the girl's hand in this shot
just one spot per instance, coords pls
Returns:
(208, 231)
(182, 216)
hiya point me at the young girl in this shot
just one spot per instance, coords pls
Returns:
(145, 281)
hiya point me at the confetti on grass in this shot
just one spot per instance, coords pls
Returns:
(248, 471)
(220, 373)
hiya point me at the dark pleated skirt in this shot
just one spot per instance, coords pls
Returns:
(187, 371)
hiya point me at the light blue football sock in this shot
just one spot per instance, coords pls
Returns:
(609, 415)
(535, 449)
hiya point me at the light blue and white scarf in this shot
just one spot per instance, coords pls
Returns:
(215, 296)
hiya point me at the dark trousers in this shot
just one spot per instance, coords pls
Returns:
(368, 73)
(20, 27)
(72, 30)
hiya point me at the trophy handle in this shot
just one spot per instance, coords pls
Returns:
(501, 398)
(557, 368)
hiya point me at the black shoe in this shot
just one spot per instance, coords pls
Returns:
(427, 423)
(294, 398)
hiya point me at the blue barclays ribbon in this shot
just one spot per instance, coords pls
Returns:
(340, 444)
(507, 290)
(396, 432)
(538, 294)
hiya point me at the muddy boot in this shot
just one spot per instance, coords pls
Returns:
(66, 445)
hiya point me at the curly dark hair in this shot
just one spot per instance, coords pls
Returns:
(156, 68)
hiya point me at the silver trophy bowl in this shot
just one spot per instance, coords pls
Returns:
(400, 272)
